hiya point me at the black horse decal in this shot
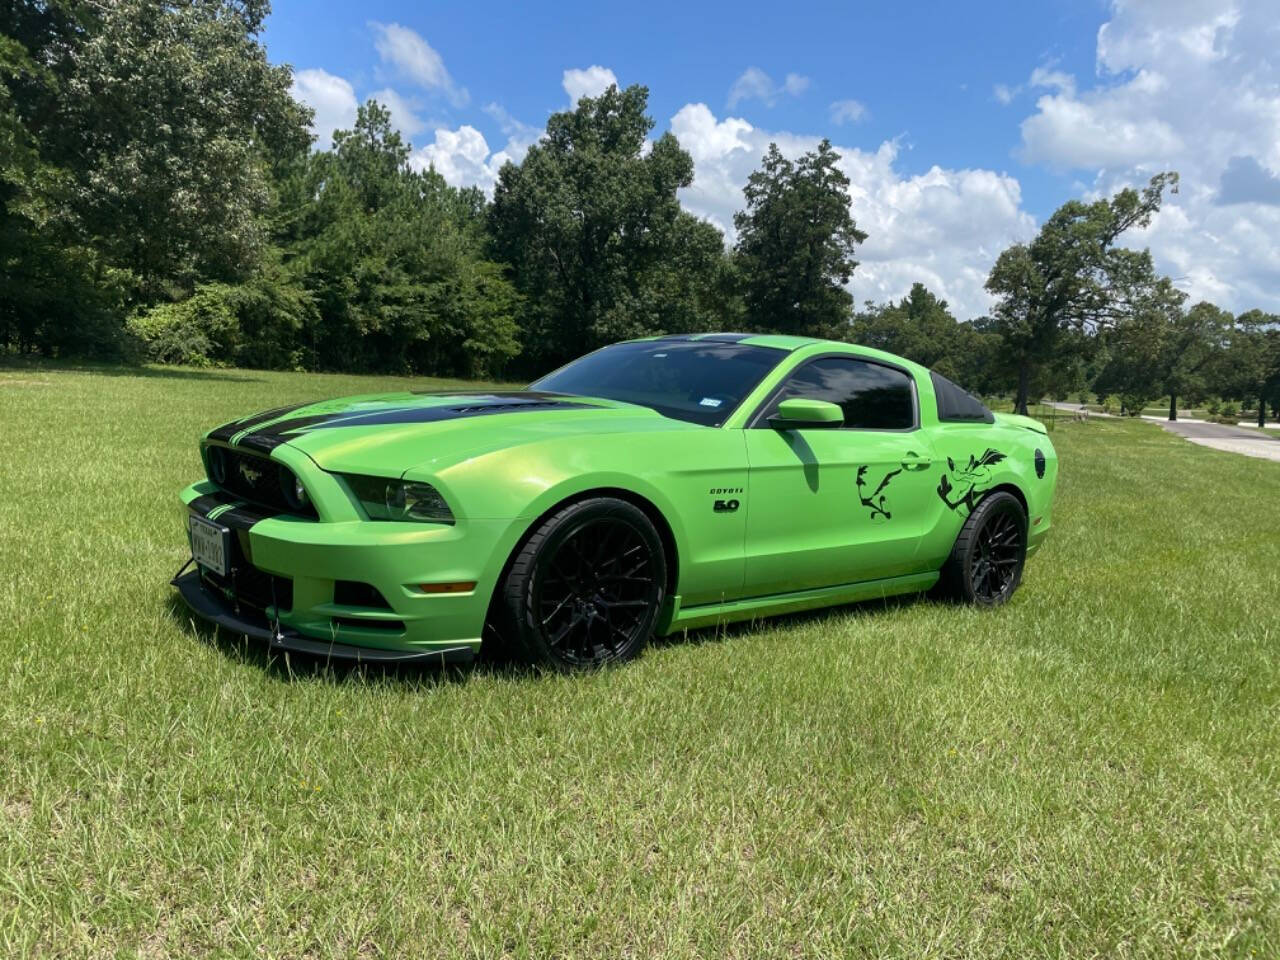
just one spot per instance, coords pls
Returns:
(970, 481)
(877, 507)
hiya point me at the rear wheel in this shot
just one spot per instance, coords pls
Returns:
(985, 566)
(586, 587)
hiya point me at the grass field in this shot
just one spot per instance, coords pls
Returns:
(1089, 772)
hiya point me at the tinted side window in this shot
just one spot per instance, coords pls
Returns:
(872, 396)
(958, 405)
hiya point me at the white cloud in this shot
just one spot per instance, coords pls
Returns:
(942, 227)
(520, 135)
(1005, 93)
(416, 60)
(847, 111)
(404, 112)
(462, 157)
(755, 84)
(331, 97)
(1194, 86)
(1097, 132)
(591, 82)
(1046, 76)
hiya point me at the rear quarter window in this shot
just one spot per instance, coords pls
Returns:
(956, 405)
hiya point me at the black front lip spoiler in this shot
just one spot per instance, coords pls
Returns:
(208, 606)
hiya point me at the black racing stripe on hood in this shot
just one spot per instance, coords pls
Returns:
(437, 414)
(225, 432)
(268, 437)
(262, 443)
(496, 394)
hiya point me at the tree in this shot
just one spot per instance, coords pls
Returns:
(920, 327)
(56, 293)
(373, 266)
(1161, 348)
(135, 141)
(394, 261)
(1251, 368)
(594, 236)
(796, 243)
(1072, 277)
(1193, 345)
(167, 117)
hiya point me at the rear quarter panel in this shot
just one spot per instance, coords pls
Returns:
(976, 458)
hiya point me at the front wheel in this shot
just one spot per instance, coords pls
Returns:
(985, 566)
(586, 587)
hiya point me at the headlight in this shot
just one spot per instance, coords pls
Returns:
(410, 500)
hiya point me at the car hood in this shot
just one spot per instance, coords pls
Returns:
(390, 433)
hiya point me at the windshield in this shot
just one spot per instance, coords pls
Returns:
(698, 381)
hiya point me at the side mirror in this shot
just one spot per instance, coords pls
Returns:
(799, 412)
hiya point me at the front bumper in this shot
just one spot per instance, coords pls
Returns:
(288, 575)
(211, 607)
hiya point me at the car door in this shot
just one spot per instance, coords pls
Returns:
(829, 506)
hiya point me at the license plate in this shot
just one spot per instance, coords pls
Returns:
(210, 545)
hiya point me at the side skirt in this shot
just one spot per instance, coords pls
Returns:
(711, 614)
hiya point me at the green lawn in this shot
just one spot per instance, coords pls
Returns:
(1089, 772)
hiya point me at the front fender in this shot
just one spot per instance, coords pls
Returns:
(681, 473)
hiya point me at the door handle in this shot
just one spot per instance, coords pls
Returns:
(913, 461)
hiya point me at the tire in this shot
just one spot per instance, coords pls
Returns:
(585, 588)
(985, 566)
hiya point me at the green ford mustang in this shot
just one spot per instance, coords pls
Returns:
(649, 487)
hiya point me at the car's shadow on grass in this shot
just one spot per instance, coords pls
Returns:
(290, 667)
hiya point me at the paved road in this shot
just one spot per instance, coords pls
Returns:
(1249, 441)
(1252, 443)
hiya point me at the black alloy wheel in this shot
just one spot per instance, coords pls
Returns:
(998, 560)
(985, 566)
(586, 588)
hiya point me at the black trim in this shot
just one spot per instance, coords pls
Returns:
(356, 593)
(210, 608)
(206, 502)
(241, 516)
(754, 421)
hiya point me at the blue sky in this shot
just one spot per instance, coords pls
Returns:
(961, 125)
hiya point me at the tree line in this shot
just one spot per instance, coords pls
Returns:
(161, 198)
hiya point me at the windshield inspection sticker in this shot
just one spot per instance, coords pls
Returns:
(710, 402)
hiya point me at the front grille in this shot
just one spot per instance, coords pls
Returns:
(250, 586)
(257, 479)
